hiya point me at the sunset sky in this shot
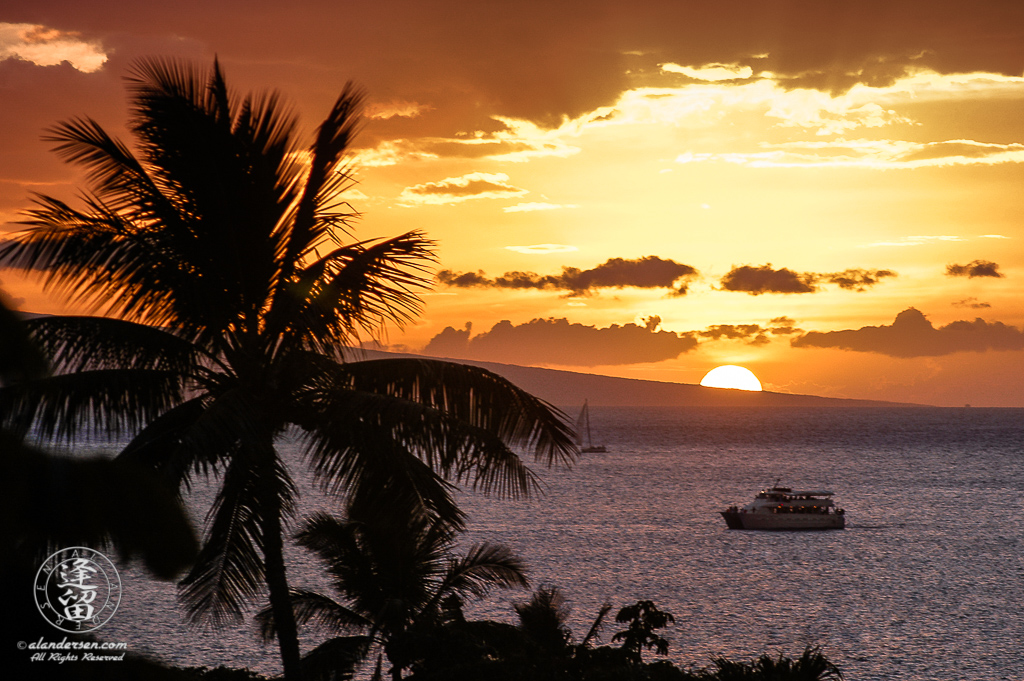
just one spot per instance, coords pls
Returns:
(830, 194)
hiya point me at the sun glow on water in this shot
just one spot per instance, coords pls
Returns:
(731, 376)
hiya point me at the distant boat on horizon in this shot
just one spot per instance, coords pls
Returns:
(583, 437)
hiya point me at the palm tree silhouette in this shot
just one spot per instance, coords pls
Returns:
(52, 502)
(398, 578)
(217, 259)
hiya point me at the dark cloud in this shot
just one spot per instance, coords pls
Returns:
(975, 268)
(766, 279)
(972, 303)
(647, 272)
(16, 302)
(857, 280)
(781, 326)
(464, 279)
(556, 341)
(752, 334)
(912, 335)
(547, 60)
(512, 280)
(732, 331)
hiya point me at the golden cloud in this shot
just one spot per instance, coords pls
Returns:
(49, 47)
(401, 109)
(460, 189)
(542, 249)
(711, 72)
(532, 207)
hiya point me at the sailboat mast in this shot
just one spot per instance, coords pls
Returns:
(584, 438)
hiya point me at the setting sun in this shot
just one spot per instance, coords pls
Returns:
(731, 376)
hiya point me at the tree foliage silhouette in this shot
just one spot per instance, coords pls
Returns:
(53, 502)
(643, 617)
(222, 265)
(398, 578)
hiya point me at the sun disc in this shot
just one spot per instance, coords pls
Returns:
(731, 376)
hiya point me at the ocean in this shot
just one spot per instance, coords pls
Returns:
(924, 584)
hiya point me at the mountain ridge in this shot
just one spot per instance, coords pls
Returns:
(564, 388)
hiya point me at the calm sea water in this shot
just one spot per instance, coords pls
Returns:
(926, 582)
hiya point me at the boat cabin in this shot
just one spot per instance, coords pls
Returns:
(787, 500)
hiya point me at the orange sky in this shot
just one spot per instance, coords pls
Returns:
(830, 194)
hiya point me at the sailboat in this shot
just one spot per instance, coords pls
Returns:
(583, 432)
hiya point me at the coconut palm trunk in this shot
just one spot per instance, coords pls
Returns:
(270, 495)
(220, 260)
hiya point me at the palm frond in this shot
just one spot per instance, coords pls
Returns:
(543, 618)
(595, 628)
(128, 202)
(315, 213)
(104, 260)
(181, 114)
(90, 257)
(336, 659)
(360, 286)
(486, 566)
(232, 204)
(230, 569)
(229, 420)
(337, 544)
(457, 419)
(109, 402)
(314, 610)
(160, 446)
(367, 462)
(111, 168)
(476, 396)
(122, 183)
(383, 567)
(812, 664)
(20, 358)
(174, 78)
(76, 343)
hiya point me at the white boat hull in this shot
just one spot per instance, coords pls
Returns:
(738, 520)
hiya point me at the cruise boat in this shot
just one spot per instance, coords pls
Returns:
(782, 508)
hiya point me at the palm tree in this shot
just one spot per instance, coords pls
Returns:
(53, 502)
(543, 619)
(221, 264)
(398, 578)
(812, 665)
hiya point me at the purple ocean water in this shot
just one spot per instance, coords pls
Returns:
(925, 584)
